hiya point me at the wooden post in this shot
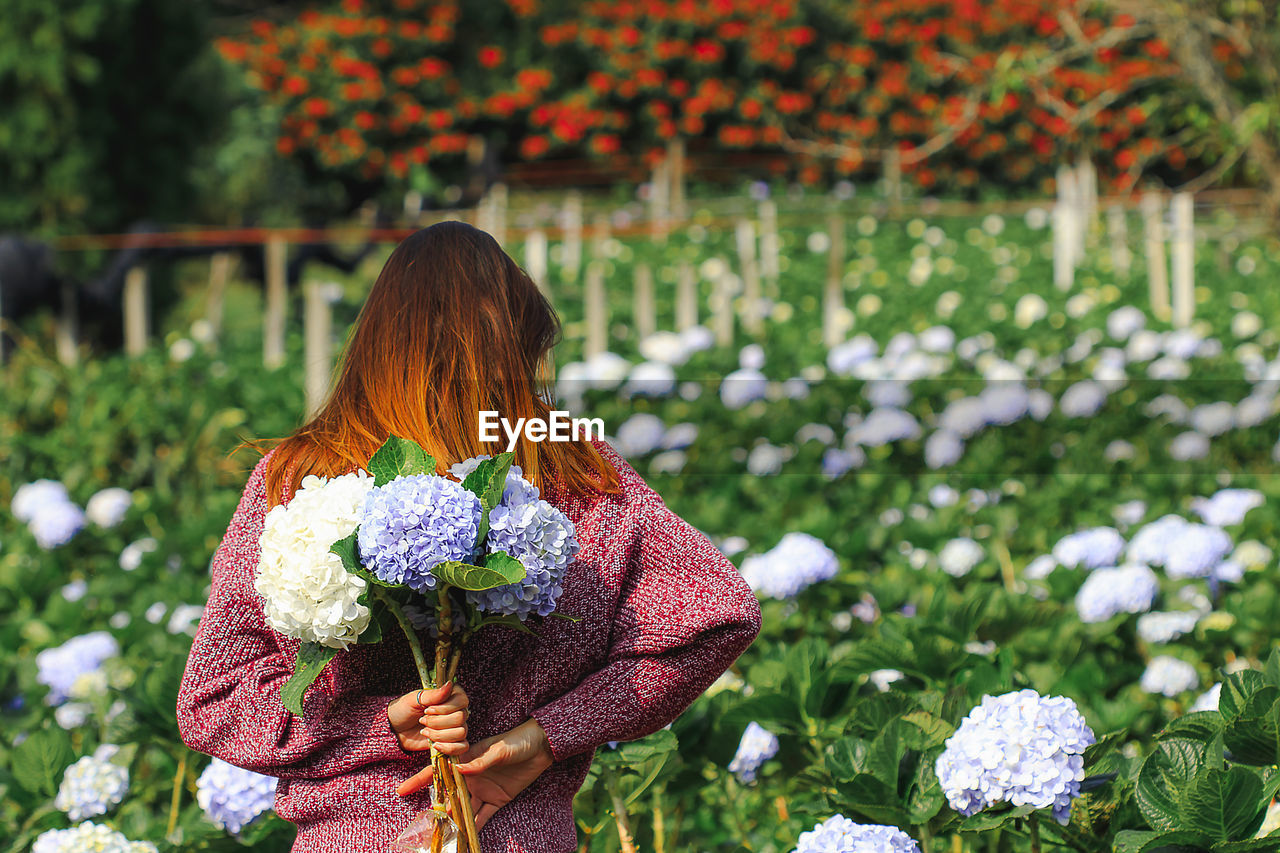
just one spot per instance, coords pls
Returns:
(833, 294)
(1086, 204)
(1065, 212)
(752, 317)
(599, 234)
(135, 311)
(572, 246)
(659, 201)
(893, 180)
(1184, 260)
(219, 276)
(68, 329)
(1118, 232)
(535, 260)
(484, 214)
(1157, 266)
(686, 297)
(675, 156)
(769, 246)
(277, 298)
(646, 322)
(722, 309)
(317, 331)
(412, 206)
(596, 310)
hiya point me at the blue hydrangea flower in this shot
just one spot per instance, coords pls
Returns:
(1123, 589)
(1150, 544)
(1169, 676)
(92, 785)
(1020, 748)
(538, 535)
(1196, 550)
(232, 796)
(413, 524)
(797, 561)
(1227, 507)
(1166, 626)
(839, 834)
(837, 462)
(32, 497)
(640, 434)
(61, 667)
(942, 449)
(883, 426)
(757, 746)
(54, 524)
(742, 386)
(1089, 549)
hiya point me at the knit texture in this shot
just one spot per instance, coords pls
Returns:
(663, 614)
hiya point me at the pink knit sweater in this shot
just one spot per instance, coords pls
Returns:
(663, 615)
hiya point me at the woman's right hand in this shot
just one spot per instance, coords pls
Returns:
(440, 718)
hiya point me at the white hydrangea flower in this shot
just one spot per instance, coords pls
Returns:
(88, 836)
(308, 593)
(1169, 676)
(107, 508)
(958, 557)
(92, 785)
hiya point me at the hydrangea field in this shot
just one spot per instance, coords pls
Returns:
(1014, 546)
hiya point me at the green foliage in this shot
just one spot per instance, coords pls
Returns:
(312, 659)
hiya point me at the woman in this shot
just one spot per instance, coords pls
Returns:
(452, 327)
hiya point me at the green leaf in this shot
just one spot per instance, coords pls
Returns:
(869, 796)
(1271, 670)
(1202, 725)
(1132, 840)
(39, 761)
(312, 659)
(499, 569)
(925, 798)
(1266, 844)
(775, 711)
(557, 615)
(1181, 841)
(399, 457)
(993, 818)
(348, 551)
(924, 731)
(1163, 775)
(846, 758)
(508, 620)
(1223, 804)
(487, 482)
(1236, 690)
(1253, 734)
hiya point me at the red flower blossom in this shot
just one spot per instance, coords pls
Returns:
(490, 56)
(532, 147)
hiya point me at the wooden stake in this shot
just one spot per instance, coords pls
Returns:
(686, 297)
(893, 180)
(1087, 205)
(276, 302)
(318, 326)
(646, 322)
(1184, 260)
(498, 212)
(68, 329)
(659, 201)
(833, 294)
(596, 310)
(675, 156)
(135, 311)
(1157, 266)
(752, 316)
(1118, 232)
(600, 232)
(220, 266)
(535, 260)
(722, 309)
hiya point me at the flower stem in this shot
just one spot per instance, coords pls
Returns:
(176, 798)
(1035, 833)
(415, 645)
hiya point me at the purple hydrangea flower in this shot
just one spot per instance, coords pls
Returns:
(538, 535)
(1196, 550)
(757, 746)
(60, 667)
(414, 523)
(741, 387)
(883, 426)
(1150, 544)
(797, 561)
(1020, 748)
(232, 796)
(1123, 589)
(839, 834)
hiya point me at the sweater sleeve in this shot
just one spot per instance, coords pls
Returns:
(229, 703)
(684, 616)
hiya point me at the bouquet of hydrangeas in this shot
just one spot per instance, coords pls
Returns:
(345, 559)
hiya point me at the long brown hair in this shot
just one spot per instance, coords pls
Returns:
(452, 326)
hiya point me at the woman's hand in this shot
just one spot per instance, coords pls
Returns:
(497, 768)
(440, 718)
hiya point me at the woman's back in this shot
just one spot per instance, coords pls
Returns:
(661, 613)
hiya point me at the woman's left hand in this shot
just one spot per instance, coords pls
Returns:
(497, 768)
(436, 715)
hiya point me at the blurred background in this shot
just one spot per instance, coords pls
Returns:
(919, 309)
